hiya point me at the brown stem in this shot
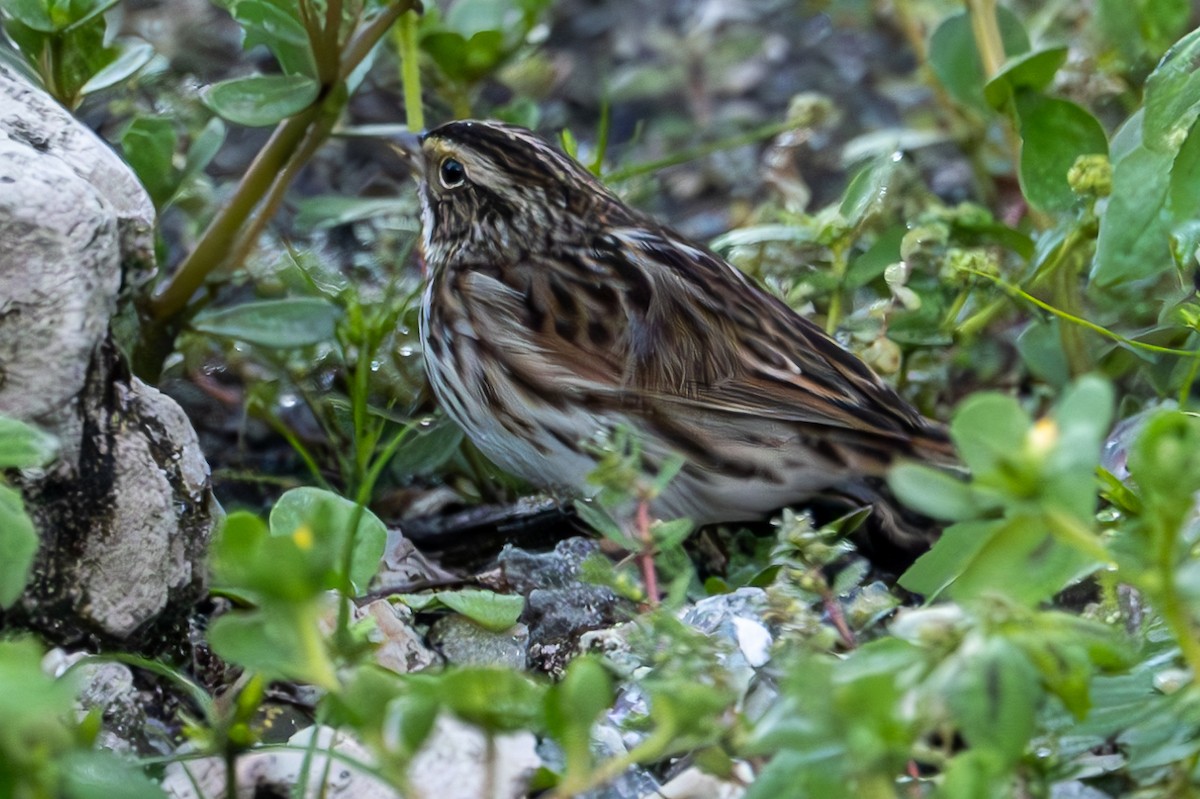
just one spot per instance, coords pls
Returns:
(839, 619)
(174, 295)
(645, 557)
(224, 235)
(314, 137)
(360, 46)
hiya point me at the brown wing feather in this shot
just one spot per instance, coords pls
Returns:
(780, 367)
(700, 338)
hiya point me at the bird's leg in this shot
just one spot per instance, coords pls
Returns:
(645, 555)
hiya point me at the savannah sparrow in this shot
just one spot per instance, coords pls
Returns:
(555, 313)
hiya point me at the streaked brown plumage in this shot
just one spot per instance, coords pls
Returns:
(555, 312)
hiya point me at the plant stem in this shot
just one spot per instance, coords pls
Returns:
(361, 44)
(1067, 297)
(1076, 535)
(987, 35)
(990, 45)
(269, 175)
(1016, 291)
(210, 251)
(410, 70)
(699, 151)
(646, 556)
(838, 267)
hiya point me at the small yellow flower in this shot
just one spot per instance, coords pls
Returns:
(303, 536)
(1042, 437)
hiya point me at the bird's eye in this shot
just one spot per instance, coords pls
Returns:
(452, 173)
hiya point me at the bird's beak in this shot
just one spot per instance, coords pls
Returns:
(407, 144)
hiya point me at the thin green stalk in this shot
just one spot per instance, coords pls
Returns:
(230, 757)
(955, 309)
(1078, 536)
(410, 69)
(839, 266)
(247, 238)
(1015, 291)
(1173, 611)
(362, 496)
(296, 444)
(358, 409)
(1067, 297)
(300, 789)
(1185, 390)
(649, 749)
(987, 35)
(699, 151)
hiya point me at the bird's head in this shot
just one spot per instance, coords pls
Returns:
(497, 191)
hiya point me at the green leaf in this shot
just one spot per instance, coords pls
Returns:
(599, 520)
(246, 557)
(320, 213)
(23, 446)
(18, 545)
(1034, 70)
(934, 492)
(1040, 346)
(204, 148)
(493, 698)
(1054, 134)
(103, 775)
(260, 100)
(275, 324)
(34, 14)
(496, 612)
(1083, 415)
(1133, 241)
(1173, 96)
(955, 59)
(282, 641)
(867, 190)
(1184, 186)
(465, 60)
(149, 147)
(571, 708)
(959, 546)
(1021, 545)
(988, 430)
(1165, 464)
(668, 535)
(427, 448)
(763, 234)
(11, 58)
(32, 702)
(871, 264)
(330, 516)
(993, 699)
(129, 56)
(1140, 30)
(276, 25)
(974, 774)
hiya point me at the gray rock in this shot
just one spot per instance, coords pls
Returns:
(558, 607)
(458, 762)
(401, 648)
(276, 773)
(126, 512)
(464, 643)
